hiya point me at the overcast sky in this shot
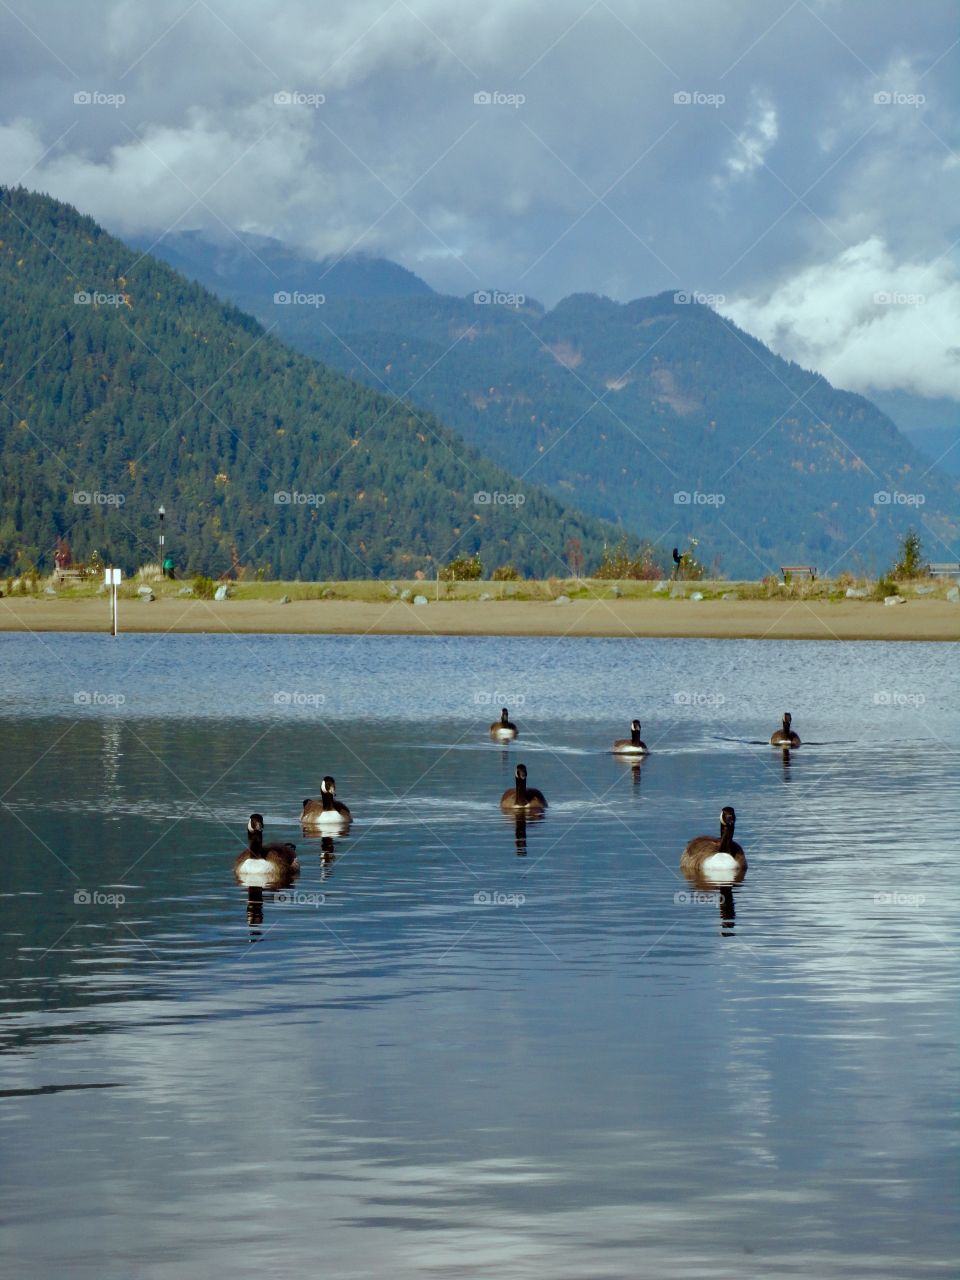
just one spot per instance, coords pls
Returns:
(815, 168)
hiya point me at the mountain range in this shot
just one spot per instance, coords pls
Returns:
(658, 415)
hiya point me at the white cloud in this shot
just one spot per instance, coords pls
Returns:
(755, 140)
(866, 320)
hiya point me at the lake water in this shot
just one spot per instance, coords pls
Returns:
(458, 1049)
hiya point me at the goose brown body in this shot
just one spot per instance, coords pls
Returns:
(328, 810)
(723, 852)
(264, 862)
(504, 727)
(634, 745)
(521, 796)
(785, 736)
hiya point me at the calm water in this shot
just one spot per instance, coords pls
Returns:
(593, 1072)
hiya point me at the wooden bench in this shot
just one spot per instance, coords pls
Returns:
(946, 568)
(799, 571)
(70, 575)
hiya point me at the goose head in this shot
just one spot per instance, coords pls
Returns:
(787, 720)
(504, 715)
(255, 824)
(328, 786)
(728, 818)
(521, 773)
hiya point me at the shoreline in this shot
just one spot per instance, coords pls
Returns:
(919, 619)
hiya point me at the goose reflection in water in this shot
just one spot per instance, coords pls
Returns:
(255, 901)
(325, 848)
(707, 894)
(520, 822)
(328, 856)
(786, 764)
(255, 910)
(636, 766)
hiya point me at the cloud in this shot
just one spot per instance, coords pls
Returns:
(866, 320)
(598, 180)
(755, 141)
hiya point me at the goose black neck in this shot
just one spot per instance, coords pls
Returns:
(255, 843)
(726, 839)
(635, 737)
(327, 800)
(521, 791)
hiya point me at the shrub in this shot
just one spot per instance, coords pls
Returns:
(911, 563)
(505, 573)
(618, 563)
(462, 569)
(691, 570)
(203, 588)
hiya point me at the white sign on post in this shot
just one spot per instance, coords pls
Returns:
(112, 579)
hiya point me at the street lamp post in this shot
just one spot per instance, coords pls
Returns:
(161, 512)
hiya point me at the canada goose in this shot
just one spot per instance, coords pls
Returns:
(328, 810)
(785, 737)
(264, 864)
(632, 746)
(521, 796)
(504, 728)
(712, 858)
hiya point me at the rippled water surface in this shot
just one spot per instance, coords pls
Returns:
(456, 1048)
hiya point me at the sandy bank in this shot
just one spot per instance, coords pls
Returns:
(920, 619)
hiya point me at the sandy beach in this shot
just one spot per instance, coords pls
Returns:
(918, 619)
